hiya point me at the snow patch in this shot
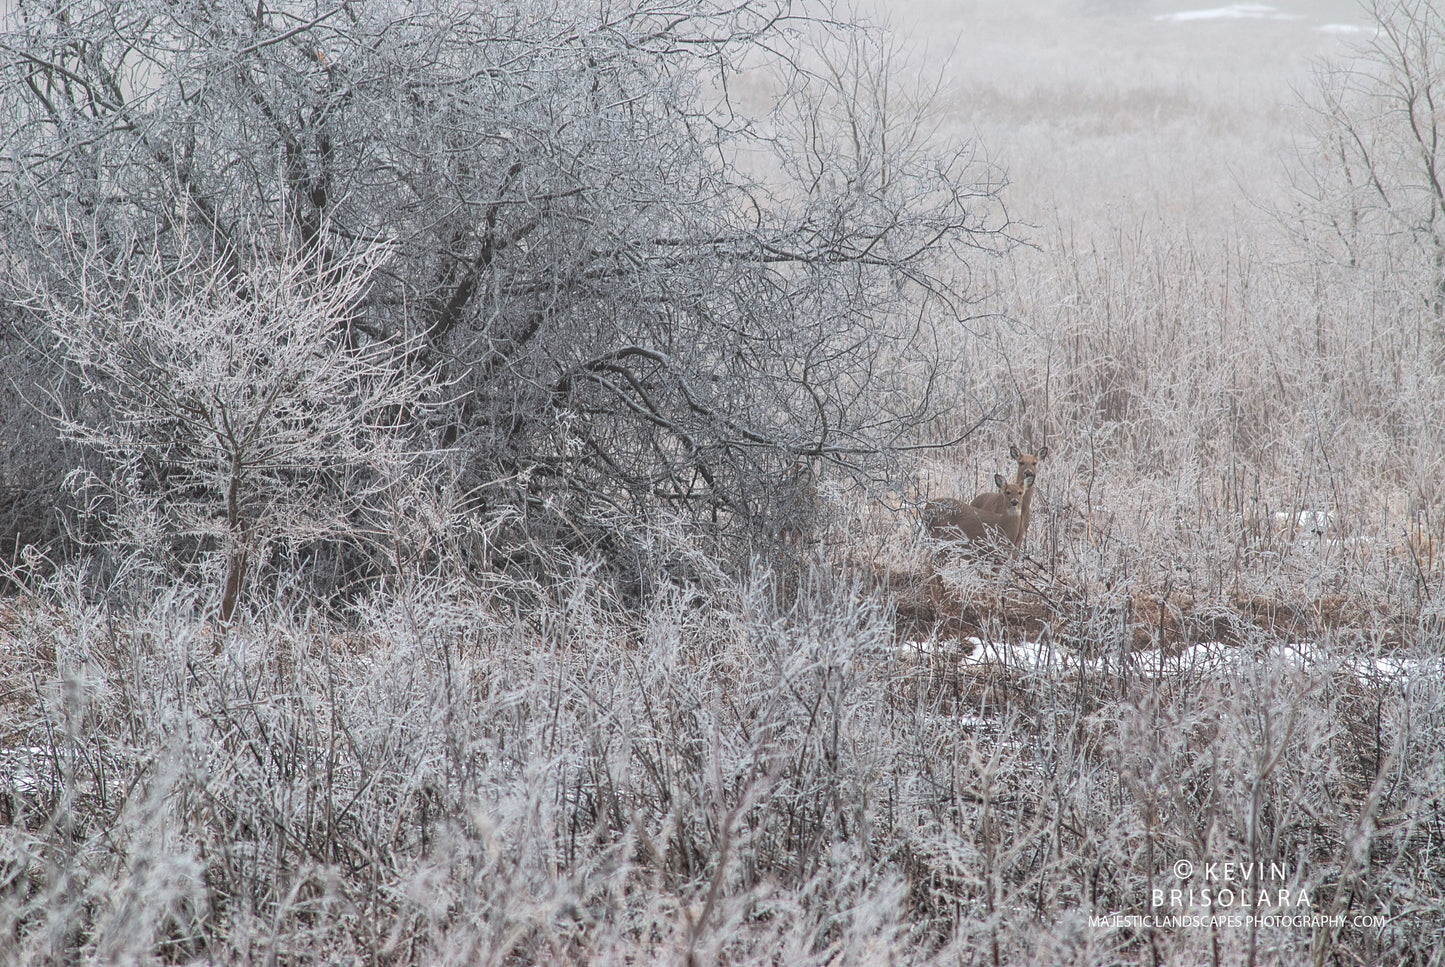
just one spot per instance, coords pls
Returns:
(977, 651)
(1235, 11)
(1307, 523)
(15, 763)
(1204, 655)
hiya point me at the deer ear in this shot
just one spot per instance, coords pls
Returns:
(1013, 451)
(998, 481)
(1043, 452)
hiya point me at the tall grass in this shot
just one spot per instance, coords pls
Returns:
(1219, 418)
(738, 776)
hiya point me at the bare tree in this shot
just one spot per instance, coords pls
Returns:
(651, 297)
(1375, 188)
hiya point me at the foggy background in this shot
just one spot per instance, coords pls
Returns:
(1185, 109)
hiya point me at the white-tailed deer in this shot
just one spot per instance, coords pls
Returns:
(994, 501)
(954, 520)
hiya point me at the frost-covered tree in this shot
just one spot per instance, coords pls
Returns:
(660, 252)
(236, 427)
(1374, 179)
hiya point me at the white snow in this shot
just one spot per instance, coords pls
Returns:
(1305, 524)
(1199, 656)
(14, 762)
(1235, 11)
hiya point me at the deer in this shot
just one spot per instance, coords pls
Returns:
(995, 502)
(952, 519)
